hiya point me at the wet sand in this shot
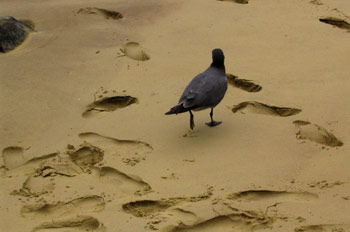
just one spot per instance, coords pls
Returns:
(86, 145)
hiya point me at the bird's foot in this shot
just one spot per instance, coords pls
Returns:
(213, 123)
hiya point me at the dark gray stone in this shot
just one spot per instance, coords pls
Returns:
(12, 33)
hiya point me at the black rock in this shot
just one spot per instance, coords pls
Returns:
(12, 33)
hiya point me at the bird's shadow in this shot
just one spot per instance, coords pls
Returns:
(205, 134)
(185, 143)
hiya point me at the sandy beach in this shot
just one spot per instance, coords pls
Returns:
(86, 146)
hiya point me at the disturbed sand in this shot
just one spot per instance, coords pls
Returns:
(86, 146)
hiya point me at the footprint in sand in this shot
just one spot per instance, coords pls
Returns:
(316, 134)
(121, 183)
(324, 228)
(87, 155)
(260, 108)
(60, 167)
(246, 85)
(13, 157)
(17, 165)
(84, 159)
(108, 104)
(79, 223)
(168, 209)
(276, 196)
(336, 22)
(116, 146)
(134, 51)
(150, 208)
(240, 221)
(77, 206)
(124, 183)
(35, 186)
(108, 14)
(146, 208)
(176, 216)
(236, 1)
(52, 164)
(162, 208)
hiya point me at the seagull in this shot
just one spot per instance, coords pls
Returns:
(206, 90)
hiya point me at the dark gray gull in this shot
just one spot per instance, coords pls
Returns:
(206, 90)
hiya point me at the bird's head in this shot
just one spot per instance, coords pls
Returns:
(218, 57)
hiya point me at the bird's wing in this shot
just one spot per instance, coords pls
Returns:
(196, 93)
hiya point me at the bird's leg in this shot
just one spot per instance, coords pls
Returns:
(191, 121)
(212, 123)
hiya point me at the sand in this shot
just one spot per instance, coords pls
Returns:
(86, 145)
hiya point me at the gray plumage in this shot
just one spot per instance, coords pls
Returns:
(206, 90)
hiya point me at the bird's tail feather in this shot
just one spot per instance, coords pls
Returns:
(177, 109)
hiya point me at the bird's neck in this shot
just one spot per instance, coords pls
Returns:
(220, 67)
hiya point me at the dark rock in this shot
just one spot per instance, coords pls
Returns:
(12, 33)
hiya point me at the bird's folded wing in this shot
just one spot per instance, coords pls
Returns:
(197, 93)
